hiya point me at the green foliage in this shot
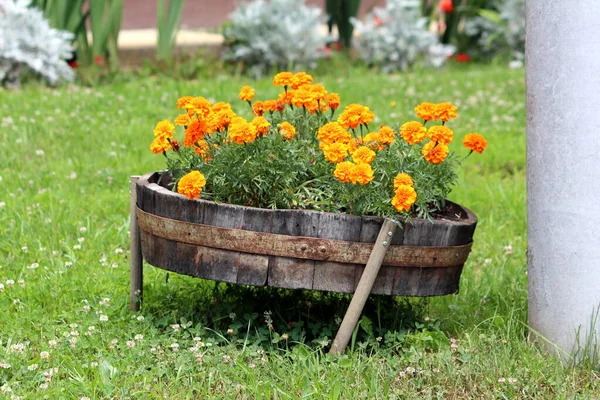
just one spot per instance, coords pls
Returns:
(340, 14)
(167, 24)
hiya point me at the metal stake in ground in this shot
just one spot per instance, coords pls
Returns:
(136, 271)
(384, 239)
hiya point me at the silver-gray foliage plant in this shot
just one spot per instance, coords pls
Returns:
(27, 40)
(284, 34)
(395, 37)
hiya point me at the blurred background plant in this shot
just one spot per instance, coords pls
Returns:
(396, 36)
(340, 14)
(27, 42)
(167, 25)
(278, 34)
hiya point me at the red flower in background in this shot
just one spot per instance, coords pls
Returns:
(463, 57)
(99, 61)
(73, 64)
(446, 6)
(378, 21)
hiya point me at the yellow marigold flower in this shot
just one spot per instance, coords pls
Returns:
(258, 108)
(221, 107)
(332, 132)
(285, 97)
(363, 155)
(355, 115)
(385, 135)
(444, 111)
(193, 133)
(284, 79)
(241, 131)
(371, 137)
(413, 132)
(303, 98)
(201, 107)
(182, 120)
(246, 93)
(404, 198)
(353, 144)
(301, 79)
(160, 144)
(219, 121)
(164, 128)
(287, 130)
(433, 153)
(270, 105)
(475, 142)
(361, 174)
(333, 100)
(335, 152)
(317, 90)
(261, 124)
(191, 184)
(184, 102)
(425, 111)
(441, 134)
(402, 179)
(342, 171)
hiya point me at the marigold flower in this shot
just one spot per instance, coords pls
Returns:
(385, 135)
(361, 174)
(241, 131)
(219, 120)
(258, 108)
(287, 130)
(284, 79)
(305, 98)
(335, 152)
(202, 149)
(318, 91)
(184, 102)
(182, 120)
(160, 144)
(413, 132)
(301, 79)
(333, 100)
(332, 132)
(433, 153)
(285, 98)
(191, 184)
(261, 124)
(165, 129)
(363, 155)
(425, 111)
(342, 171)
(355, 115)
(444, 111)
(475, 142)
(402, 179)
(404, 197)
(441, 134)
(201, 107)
(246, 93)
(270, 105)
(193, 133)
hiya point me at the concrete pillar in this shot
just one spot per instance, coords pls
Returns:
(563, 171)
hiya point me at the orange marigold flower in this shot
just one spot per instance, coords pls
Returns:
(261, 124)
(280, 106)
(221, 107)
(402, 179)
(283, 79)
(333, 100)
(425, 111)
(355, 115)
(184, 102)
(361, 174)
(475, 142)
(333, 132)
(404, 198)
(164, 128)
(444, 111)
(246, 93)
(413, 132)
(219, 121)
(303, 97)
(202, 149)
(191, 184)
(287, 130)
(182, 120)
(433, 153)
(258, 108)
(270, 105)
(285, 98)
(301, 79)
(200, 106)
(335, 152)
(193, 133)
(317, 90)
(441, 134)
(385, 135)
(160, 144)
(342, 171)
(363, 155)
(241, 131)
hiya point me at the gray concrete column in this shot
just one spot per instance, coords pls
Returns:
(563, 170)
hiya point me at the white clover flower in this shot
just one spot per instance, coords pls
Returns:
(138, 337)
(83, 229)
(44, 355)
(10, 283)
(130, 344)
(103, 317)
(32, 367)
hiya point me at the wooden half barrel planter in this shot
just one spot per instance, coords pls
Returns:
(293, 249)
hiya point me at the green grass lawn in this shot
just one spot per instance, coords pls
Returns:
(65, 327)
